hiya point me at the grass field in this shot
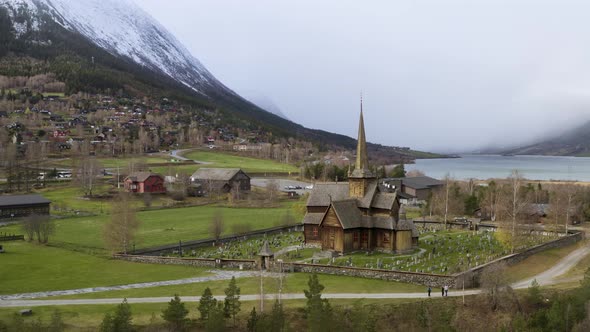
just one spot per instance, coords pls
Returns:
(163, 226)
(539, 262)
(223, 160)
(292, 283)
(121, 162)
(88, 317)
(28, 267)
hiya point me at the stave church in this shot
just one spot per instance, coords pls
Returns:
(356, 216)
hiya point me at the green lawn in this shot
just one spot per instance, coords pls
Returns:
(163, 226)
(29, 267)
(539, 263)
(122, 162)
(292, 283)
(248, 164)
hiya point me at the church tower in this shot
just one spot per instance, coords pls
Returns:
(361, 176)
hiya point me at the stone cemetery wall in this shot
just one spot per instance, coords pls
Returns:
(473, 275)
(171, 248)
(434, 280)
(200, 262)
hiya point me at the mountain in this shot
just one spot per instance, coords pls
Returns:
(114, 45)
(265, 103)
(575, 142)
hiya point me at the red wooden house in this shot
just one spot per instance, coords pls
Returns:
(144, 182)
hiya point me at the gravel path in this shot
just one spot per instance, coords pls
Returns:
(548, 277)
(217, 275)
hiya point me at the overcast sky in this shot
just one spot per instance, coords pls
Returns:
(435, 75)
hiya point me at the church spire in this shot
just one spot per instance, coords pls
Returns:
(361, 167)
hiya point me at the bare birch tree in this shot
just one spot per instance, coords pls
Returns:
(120, 231)
(517, 202)
(87, 174)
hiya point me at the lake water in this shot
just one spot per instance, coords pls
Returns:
(495, 166)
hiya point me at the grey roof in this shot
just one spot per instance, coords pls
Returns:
(418, 182)
(321, 193)
(384, 200)
(140, 176)
(365, 202)
(313, 218)
(348, 213)
(216, 174)
(10, 200)
(265, 251)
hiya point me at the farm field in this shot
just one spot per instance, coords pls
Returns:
(29, 267)
(248, 164)
(162, 226)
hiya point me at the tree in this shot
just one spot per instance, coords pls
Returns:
(88, 171)
(317, 309)
(206, 303)
(252, 320)
(120, 231)
(232, 300)
(107, 323)
(122, 320)
(516, 203)
(492, 279)
(175, 314)
(272, 190)
(398, 171)
(277, 317)
(216, 321)
(217, 225)
(38, 226)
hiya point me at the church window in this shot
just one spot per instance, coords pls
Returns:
(315, 230)
(385, 237)
(355, 236)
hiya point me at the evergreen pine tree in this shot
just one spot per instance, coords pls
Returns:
(107, 323)
(277, 317)
(252, 320)
(175, 314)
(232, 300)
(122, 320)
(206, 303)
(315, 307)
(216, 321)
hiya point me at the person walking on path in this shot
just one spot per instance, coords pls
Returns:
(446, 290)
(442, 290)
(429, 290)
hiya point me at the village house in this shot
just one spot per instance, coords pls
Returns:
(411, 190)
(144, 182)
(221, 180)
(356, 215)
(14, 206)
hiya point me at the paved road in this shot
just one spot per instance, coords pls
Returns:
(545, 278)
(548, 277)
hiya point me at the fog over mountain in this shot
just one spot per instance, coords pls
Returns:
(447, 76)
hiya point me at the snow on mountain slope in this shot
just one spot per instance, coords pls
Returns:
(124, 29)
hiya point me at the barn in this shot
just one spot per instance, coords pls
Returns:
(221, 180)
(14, 206)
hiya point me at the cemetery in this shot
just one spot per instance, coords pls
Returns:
(439, 251)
